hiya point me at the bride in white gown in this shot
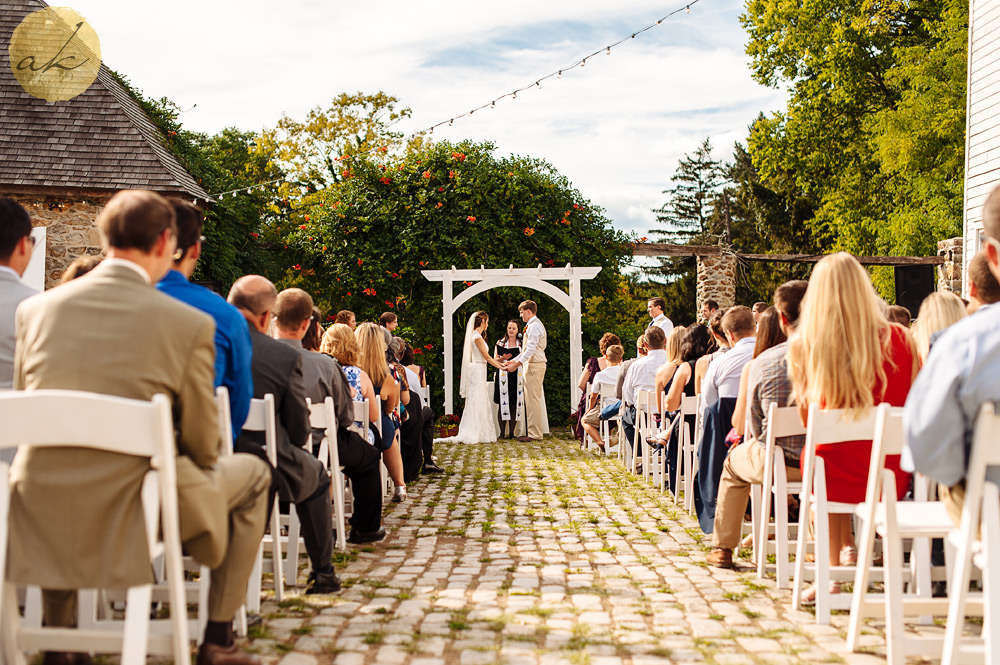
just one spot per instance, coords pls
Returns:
(477, 424)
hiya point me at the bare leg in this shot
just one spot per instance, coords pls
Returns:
(394, 463)
(594, 433)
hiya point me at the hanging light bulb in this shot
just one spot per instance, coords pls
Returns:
(431, 132)
(249, 191)
(515, 95)
(560, 74)
(687, 10)
(493, 104)
(583, 63)
(538, 83)
(451, 122)
(609, 50)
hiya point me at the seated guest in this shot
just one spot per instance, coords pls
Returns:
(769, 335)
(427, 413)
(310, 342)
(899, 314)
(232, 335)
(758, 309)
(294, 316)
(642, 376)
(846, 355)
(16, 248)
(938, 311)
(608, 376)
(340, 343)
(767, 383)
(983, 286)
(299, 478)
(722, 378)
(136, 343)
(665, 373)
(590, 370)
(960, 375)
(640, 352)
(718, 346)
(389, 321)
(80, 267)
(372, 360)
(347, 318)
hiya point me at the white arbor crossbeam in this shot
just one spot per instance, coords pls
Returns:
(531, 278)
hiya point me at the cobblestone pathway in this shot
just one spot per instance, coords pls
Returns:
(537, 554)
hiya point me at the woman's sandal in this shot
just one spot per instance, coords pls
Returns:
(849, 556)
(808, 597)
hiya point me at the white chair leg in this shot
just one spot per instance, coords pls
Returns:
(33, 606)
(279, 586)
(892, 557)
(204, 584)
(290, 564)
(9, 623)
(254, 584)
(137, 623)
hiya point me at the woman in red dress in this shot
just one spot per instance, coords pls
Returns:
(846, 355)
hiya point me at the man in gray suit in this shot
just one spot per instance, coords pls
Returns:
(323, 377)
(16, 247)
(75, 514)
(299, 477)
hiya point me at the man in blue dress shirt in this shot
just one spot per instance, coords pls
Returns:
(233, 349)
(961, 373)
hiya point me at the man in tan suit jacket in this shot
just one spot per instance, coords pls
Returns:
(75, 515)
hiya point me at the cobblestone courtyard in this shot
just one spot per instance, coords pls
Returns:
(528, 554)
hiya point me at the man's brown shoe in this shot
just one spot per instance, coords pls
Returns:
(524, 439)
(213, 654)
(720, 558)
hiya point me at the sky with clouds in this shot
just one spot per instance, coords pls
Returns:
(616, 128)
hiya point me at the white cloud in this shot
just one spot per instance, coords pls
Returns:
(616, 128)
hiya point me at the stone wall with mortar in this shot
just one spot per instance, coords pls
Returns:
(950, 274)
(71, 229)
(717, 280)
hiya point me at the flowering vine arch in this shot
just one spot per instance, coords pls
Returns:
(532, 278)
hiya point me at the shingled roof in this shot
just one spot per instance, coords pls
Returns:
(99, 140)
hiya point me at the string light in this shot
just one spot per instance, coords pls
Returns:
(582, 62)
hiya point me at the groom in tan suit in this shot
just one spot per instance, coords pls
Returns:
(75, 515)
(533, 358)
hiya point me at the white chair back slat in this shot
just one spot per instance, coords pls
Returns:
(82, 421)
(225, 419)
(262, 418)
(833, 426)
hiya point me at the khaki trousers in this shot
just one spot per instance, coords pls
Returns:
(242, 481)
(743, 467)
(533, 376)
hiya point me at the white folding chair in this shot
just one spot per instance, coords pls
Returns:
(226, 434)
(980, 513)
(781, 422)
(425, 394)
(919, 520)
(262, 418)
(639, 447)
(141, 429)
(687, 450)
(323, 416)
(605, 396)
(824, 427)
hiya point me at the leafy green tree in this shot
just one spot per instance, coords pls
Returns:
(361, 243)
(874, 127)
(311, 150)
(688, 210)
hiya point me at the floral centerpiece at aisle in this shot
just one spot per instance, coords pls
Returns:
(448, 425)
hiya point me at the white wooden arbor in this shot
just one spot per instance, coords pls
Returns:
(531, 278)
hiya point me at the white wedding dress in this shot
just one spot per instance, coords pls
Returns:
(477, 424)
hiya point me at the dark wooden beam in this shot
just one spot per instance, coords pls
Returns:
(667, 249)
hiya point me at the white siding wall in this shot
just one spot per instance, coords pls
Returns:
(982, 154)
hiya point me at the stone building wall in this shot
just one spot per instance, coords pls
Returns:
(717, 280)
(950, 276)
(71, 229)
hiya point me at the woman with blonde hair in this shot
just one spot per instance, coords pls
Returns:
(665, 373)
(846, 355)
(339, 342)
(371, 359)
(937, 312)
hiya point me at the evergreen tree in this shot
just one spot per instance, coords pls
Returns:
(687, 214)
